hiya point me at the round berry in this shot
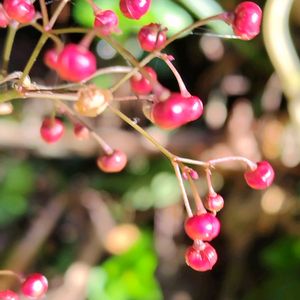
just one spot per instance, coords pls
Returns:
(4, 18)
(260, 178)
(106, 22)
(80, 131)
(52, 130)
(76, 63)
(8, 295)
(134, 9)
(112, 163)
(35, 286)
(202, 259)
(51, 58)
(152, 37)
(141, 85)
(247, 20)
(176, 111)
(203, 227)
(22, 11)
(214, 202)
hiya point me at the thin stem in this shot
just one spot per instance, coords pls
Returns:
(134, 98)
(70, 30)
(94, 6)
(106, 148)
(10, 95)
(10, 37)
(53, 96)
(44, 12)
(88, 38)
(56, 14)
(34, 56)
(211, 190)
(182, 188)
(11, 273)
(142, 132)
(192, 161)
(247, 161)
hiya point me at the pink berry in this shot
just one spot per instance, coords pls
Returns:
(51, 58)
(214, 202)
(22, 11)
(8, 295)
(203, 227)
(80, 131)
(35, 286)
(76, 63)
(202, 259)
(141, 85)
(247, 20)
(4, 18)
(112, 163)
(152, 37)
(176, 111)
(52, 130)
(106, 22)
(260, 178)
(134, 9)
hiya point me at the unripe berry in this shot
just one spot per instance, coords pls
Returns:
(112, 163)
(202, 259)
(8, 295)
(247, 20)
(214, 202)
(76, 63)
(152, 37)
(4, 18)
(22, 11)
(141, 85)
(134, 9)
(35, 286)
(51, 58)
(260, 178)
(176, 111)
(80, 131)
(92, 101)
(106, 22)
(52, 130)
(203, 227)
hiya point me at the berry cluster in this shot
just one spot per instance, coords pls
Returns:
(77, 64)
(33, 287)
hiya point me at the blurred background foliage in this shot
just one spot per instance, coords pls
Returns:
(120, 237)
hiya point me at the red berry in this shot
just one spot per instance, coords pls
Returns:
(202, 259)
(52, 130)
(50, 58)
(76, 63)
(106, 22)
(22, 11)
(214, 202)
(80, 131)
(203, 227)
(176, 111)
(4, 18)
(152, 37)
(35, 286)
(8, 295)
(247, 20)
(141, 85)
(134, 9)
(260, 178)
(112, 163)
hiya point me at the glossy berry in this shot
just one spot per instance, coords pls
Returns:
(51, 58)
(134, 9)
(152, 37)
(8, 295)
(22, 11)
(76, 63)
(106, 22)
(35, 286)
(214, 202)
(112, 163)
(80, 131)
(176, 111)
(4, 18)
(202, 259)
(52, 130)
(247, 20)
(141, 85)
(260, 178)
(203, 227)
